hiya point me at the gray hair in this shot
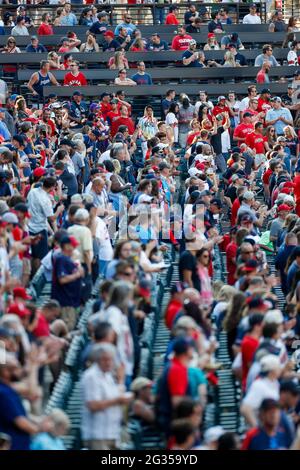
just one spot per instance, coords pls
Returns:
(59, 418)
(99, 350)
(81, 214)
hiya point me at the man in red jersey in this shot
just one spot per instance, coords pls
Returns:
(182, 40)
(258, 142)
(241, 131)
(74, 77)
(122, 120)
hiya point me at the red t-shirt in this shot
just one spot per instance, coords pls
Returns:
(42, 328)
(256, 141)
(181, 43)
(220, 109)
(242, 130)
(121, 121)
(261, 77)
(173, 308)
(234, 210)
(191, 137)
(71, 80)
(263, 105)
(267, 175)
(45, 30)
(111, 115)
(128, 108)
(105, 108)
(231, 251)
(177, 378)
(171, 19)
(248, 347)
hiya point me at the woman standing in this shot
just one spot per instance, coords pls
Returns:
(147, 127)
(203, 261)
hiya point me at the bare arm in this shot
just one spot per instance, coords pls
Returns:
(249, 415)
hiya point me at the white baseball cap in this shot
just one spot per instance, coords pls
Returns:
(274, 316)
(269, 362)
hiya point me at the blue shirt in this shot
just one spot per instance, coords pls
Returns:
(69, 20)
(195, 63)
(40, 48)
(276, 113)
(293, 269)
(4, 132)
(258, 439)
(68, 295)
(142, 79)
(128, 26)
(98, 28)
(11, 407)
(44, 441)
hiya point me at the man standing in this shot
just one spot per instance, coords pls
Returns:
(278, 117)
(252, 17)
(66, 281)
(41, 211)
(40, 79)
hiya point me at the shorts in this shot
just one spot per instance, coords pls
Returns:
(70, 316)
(259, 159)
(40, 249)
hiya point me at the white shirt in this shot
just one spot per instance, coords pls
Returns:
(199, 103)
(244, 104)
(105, 424)
(171, 120)
(261, 389)
(120, 325)
(292, 58)
(251, 19)
(105, 249)
(40, 208)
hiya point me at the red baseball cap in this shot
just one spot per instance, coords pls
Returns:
(211, 35)
(38, 172)
(32, 120)
(286, 190)
(74, 242)
(200, 166)
(109, 34)
(20, 291)
(284, 207)
(19, 309)
(288, 184)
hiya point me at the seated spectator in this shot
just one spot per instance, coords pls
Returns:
(35, 46)
(69, 44)
(60, 14)
(101, 25)
(277, 25)
(75, 77)
(68, 18)
(141, 77)
(45, 28)
(292, 56)
(118, 61)
(224, 18)
(157, 44)
(212, 43)
(263, 75)
(194, 27)
(86, 17)
(20, 28)
(138, 45)
(181, 41)
(252, 17)
(126, 24)
(292, 25)
(191, 57)
(229, 60)
(91, 44)
(266, 56)
(21, 11)
(190, 15)
(123, 80)
(232, 38)
(239, 58)
(171, 18)
(123, 39)
(215, 25)
(110, 44)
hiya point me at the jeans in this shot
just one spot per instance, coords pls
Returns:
(102, 266)
(159, 15)
(221, 163)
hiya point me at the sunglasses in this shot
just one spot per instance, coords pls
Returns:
(247, 252)
(126, 273)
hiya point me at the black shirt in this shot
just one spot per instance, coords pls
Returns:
(192, 29)
(216, 140)
(231, 193)
(188, 262)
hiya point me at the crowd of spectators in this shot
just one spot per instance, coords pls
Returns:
(96, 190)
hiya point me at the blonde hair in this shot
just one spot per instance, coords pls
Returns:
(229, 59)
(290, 130)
